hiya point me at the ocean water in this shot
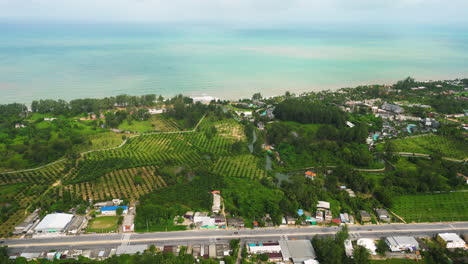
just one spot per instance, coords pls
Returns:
(41, 60)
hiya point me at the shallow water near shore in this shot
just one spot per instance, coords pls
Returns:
(74, 61)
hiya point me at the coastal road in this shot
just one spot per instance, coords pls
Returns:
(94, 241)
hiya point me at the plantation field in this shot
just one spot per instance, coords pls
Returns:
(103, 224)
(434, 143)
(432, 207)
(184, 148)
(242, 166)
(19, 190)
(119, 183)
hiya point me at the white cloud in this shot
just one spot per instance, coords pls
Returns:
(242, 11)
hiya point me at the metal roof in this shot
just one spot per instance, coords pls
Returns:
(54, 221)
(113, 208)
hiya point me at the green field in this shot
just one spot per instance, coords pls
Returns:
(433, 143)
(103, 224)
(432, 207)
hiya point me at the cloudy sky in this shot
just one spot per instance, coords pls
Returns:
(238, 11)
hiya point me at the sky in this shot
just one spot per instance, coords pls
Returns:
(267, 12)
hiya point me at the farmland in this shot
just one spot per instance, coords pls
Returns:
(430, 144)
(103, 224)
(119, 183)
(19, 190)
(432, 207)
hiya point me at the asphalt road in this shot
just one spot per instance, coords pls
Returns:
(94, 241)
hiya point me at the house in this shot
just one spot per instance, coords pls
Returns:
(365, 216)
(235, 222)
(255, 223)
(328, 216)
(322, 205)
(156, 111)
(319, 216)
(219, 220)
(275, 257)
(202, 219)
(368, 244)
(290, 220)
(451, 240)
(393, 108)
(383, 215)
(402, 243)
(216, 208)
(189, 215)
(112, 210)
(27, 224)
(310, 174)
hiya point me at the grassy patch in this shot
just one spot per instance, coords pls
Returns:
(432, 207)
(433, 143)
(103, 224)
(137, 126)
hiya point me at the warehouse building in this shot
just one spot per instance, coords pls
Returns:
(54, 223)
(402, 243)
(451, 240)
(297, 251)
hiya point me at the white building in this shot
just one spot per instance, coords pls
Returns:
(264, 248)
(368, 244)
(202, 219)
(53, 223)
(348, 248)
(216, 208)
(402, 243)
(451, 240)
(323, 205)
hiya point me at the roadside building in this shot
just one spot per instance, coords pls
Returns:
(77, 223)
(189, 215)
(27, 224)
(328, 216)
(402, 243)
(203, 220)
(235, 222)
(368, 244)
(365, 216)
(319, 216)
(451, 240)
(383, 215)
(54, 223)
(112, 210)
(290, 220)
(261, 248)
(297, 251)
(219, 220)
(127, 224)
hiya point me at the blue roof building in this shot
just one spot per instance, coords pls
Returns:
(112, 210)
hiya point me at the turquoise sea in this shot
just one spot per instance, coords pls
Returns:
(43, 60)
